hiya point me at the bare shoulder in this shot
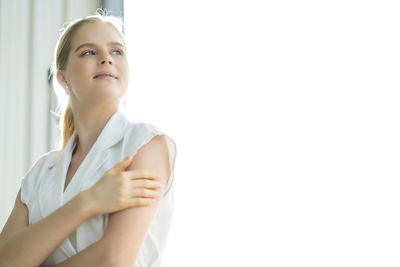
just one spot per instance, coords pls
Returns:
(153, 157)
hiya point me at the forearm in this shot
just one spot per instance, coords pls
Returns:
(40, 239)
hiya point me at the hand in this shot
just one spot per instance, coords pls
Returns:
(118, 189)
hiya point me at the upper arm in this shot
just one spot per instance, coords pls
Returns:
(127, 229)
(17, 220)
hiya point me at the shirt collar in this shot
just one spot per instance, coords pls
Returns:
(112, 133)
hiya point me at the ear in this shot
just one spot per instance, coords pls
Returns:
(61, 79)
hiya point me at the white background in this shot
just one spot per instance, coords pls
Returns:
(286, 119)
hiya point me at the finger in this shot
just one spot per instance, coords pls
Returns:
(145, 193)
(141, 202)
(146, 183)
(137, 174)
(122, 165)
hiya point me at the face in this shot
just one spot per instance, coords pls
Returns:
(97, 51)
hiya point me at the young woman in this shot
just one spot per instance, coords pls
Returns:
(105, 198)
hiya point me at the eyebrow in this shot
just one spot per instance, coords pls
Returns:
(93, 45)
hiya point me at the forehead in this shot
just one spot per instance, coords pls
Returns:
(96, 32)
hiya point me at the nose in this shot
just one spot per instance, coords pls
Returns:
(106, 59)
(104, 62)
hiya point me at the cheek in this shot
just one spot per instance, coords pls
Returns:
(124, 71)
(80, 69)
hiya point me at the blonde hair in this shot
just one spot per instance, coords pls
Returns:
(61, 53)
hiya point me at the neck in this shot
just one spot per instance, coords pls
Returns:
(89, 123)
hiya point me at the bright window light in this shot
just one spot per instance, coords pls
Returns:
(286, 119)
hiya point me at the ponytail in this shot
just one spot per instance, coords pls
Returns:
(68, 125)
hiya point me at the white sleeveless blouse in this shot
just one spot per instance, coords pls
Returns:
(42, 187)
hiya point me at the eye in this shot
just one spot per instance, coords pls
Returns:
(87, 52)
(116, 50)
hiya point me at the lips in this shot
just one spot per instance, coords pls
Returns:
(105, 74)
